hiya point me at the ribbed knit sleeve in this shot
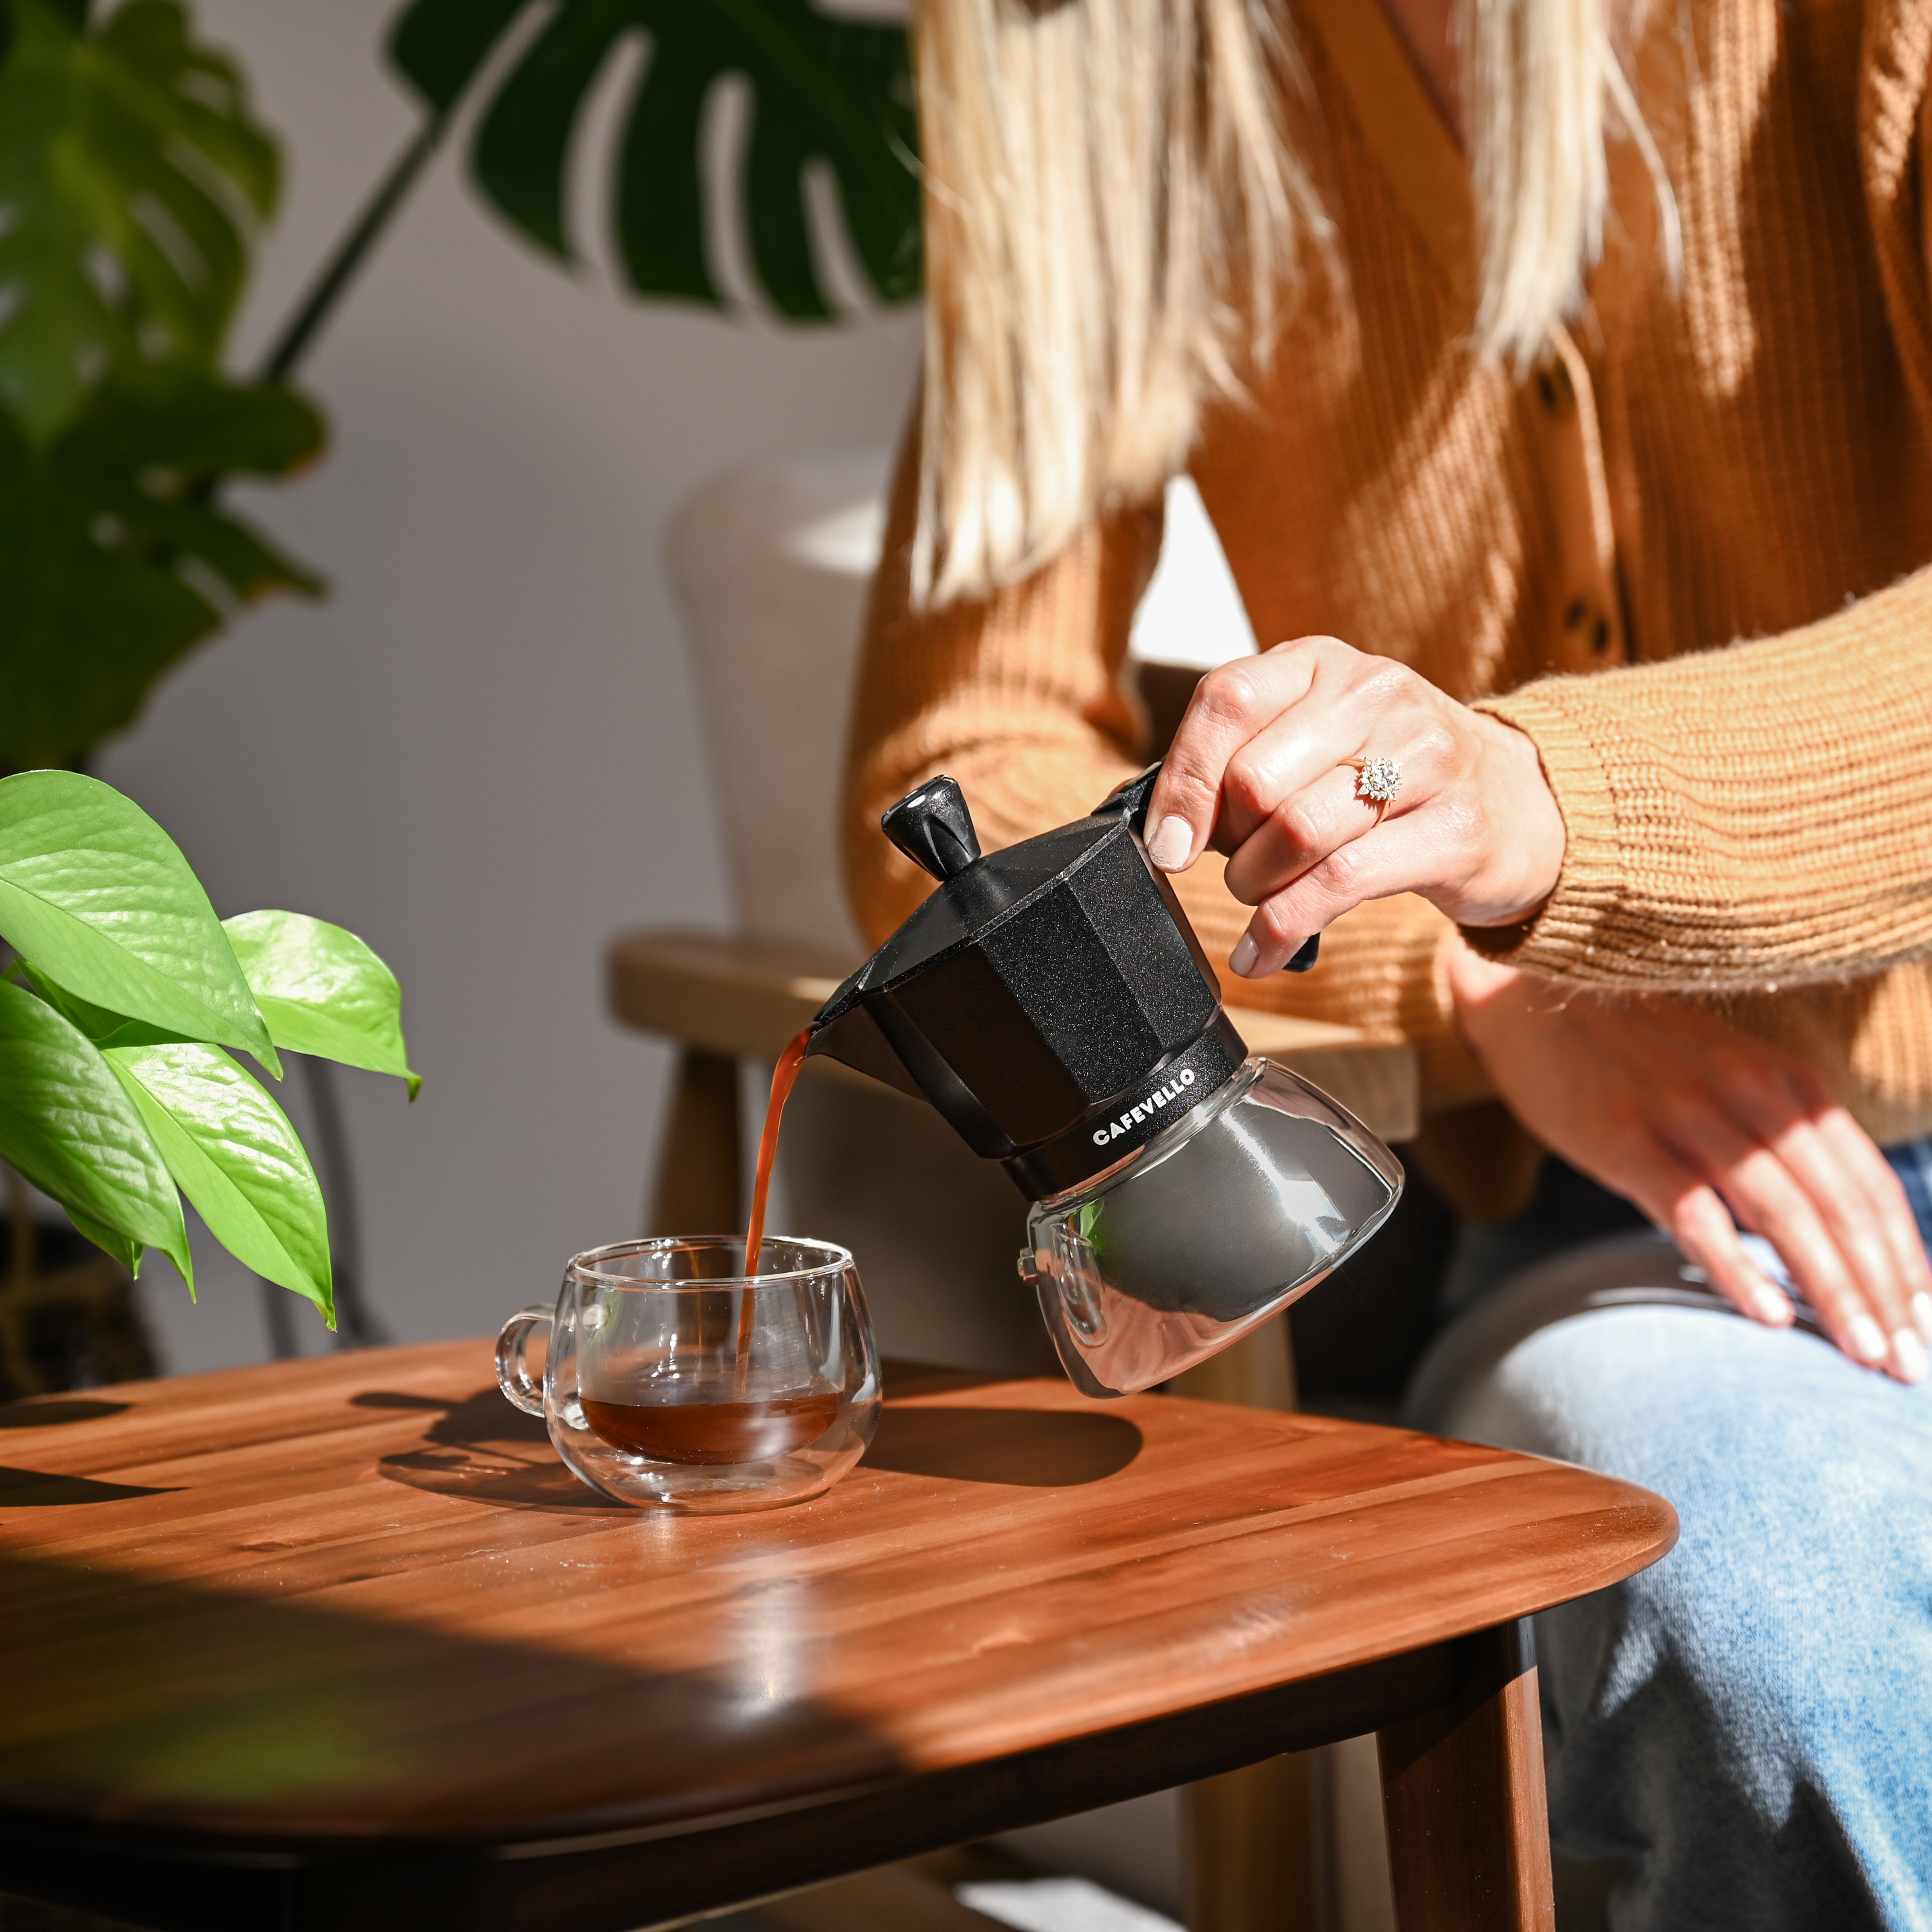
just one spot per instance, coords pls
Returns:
(1757, 816)
(1020, 697)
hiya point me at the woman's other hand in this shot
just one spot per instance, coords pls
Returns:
(1261, 769)
(1707, 1130)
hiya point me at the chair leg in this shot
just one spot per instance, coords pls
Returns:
(699, 1182)
(1462, 1796)
(1249, 1837)
(1248, 1841)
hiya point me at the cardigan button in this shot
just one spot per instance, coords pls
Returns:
(1589, 624)
(1554, 388)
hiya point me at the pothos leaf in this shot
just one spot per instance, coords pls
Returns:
(67, 1126)
(124, 1251)
(236, 1157)
(113, 565)
(99, 897)
(823, 88)
(129, 145)
(322, 991)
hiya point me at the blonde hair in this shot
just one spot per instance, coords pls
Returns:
(1116, 206)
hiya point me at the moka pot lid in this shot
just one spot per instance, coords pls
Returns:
(1050, 999)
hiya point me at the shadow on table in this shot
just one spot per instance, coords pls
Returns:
(483, 1450)
(147, 1708)
(32, 1488)
(52, 1414)
(35, 1488)
(1038, 1448)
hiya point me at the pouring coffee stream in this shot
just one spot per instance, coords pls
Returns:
(1050, 999)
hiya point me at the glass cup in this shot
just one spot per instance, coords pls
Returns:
(674, 1382)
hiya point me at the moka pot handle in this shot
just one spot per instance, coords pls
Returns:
(1129, 801)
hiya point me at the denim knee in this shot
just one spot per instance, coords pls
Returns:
(1744, 1725)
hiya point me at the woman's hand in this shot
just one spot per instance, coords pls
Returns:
(1707, 1130)
(1261, 769)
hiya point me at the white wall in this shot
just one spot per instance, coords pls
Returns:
(483, 752)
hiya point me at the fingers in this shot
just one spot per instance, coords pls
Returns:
(1858, 1198)
(1230, 706)
(1829, 1170)
(1699, 1222)
(1319, 820)
(1707, 1130)
(1398, 852)
(1764, 1194)
(1885, 1201)
(1783, 1182)
(1676, 1197)
(1368, 868)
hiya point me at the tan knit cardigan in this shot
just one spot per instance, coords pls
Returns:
(1686, 556)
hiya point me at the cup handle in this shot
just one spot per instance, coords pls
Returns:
(513, 1368)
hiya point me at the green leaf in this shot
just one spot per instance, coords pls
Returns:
(823, 88)
(128, 145)
(99, 897)
(126, 1252)
(96, 1022)
(439, 44)
(67, 1126)
(236, 1158)
(113, 563)
(322, 991)
(1087, 1225)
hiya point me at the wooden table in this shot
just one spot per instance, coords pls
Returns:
(337, 1641)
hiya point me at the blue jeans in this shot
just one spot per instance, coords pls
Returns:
(1744, 1728)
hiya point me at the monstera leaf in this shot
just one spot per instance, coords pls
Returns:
(131, 173)
(112, 562)
(823, 88)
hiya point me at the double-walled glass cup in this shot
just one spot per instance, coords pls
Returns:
(1235, 1211)
(673, 1381)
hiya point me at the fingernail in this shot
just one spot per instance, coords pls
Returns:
(1908, 1352)
(1922, 1313)
(1172, 842)
(1771, 1306)
(1245, 952)
(1867, 1338)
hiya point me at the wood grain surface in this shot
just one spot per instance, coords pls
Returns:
(358, 1595)
(1462, 1796)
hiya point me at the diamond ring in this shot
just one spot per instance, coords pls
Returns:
(1377, 780)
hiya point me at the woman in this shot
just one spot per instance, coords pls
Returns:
(1576, 368)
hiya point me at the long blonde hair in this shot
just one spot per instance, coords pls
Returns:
(1117, 203)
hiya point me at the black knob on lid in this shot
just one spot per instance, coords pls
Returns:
(932, 827)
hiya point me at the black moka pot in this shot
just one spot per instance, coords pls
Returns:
(1052, 1002)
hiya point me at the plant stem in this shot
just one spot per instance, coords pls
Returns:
(339, 270)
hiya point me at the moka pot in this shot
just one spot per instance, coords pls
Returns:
(1052, 1000)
